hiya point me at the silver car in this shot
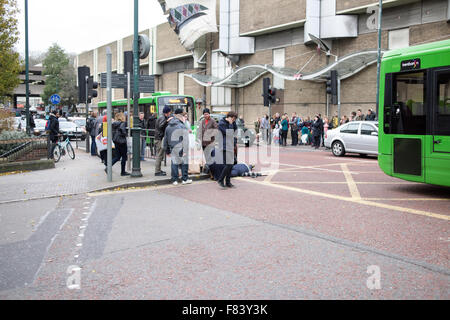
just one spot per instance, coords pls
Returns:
(353, 137)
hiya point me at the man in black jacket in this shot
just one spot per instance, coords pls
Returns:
(160, 128)
(53, 132)
(226, 148)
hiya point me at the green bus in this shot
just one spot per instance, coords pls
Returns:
(414, 113)
(155, 103)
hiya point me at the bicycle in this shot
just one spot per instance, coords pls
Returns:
(61, 148)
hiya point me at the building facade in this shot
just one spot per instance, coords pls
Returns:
(262, 38)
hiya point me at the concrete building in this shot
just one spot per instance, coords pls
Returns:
(36, 86)
(275, 39)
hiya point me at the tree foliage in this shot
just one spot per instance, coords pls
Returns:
(10, 64)
(61, 77)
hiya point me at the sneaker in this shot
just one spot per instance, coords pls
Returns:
(124, 174)
(175, 183)
(159, 174)
(188, 181)
(229, 185)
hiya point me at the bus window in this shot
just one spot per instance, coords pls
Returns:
(408, 110)
(443, 114)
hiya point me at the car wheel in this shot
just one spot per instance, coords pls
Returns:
(338, 149)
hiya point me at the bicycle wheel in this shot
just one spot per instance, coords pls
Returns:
(70, 151)
(57, 153)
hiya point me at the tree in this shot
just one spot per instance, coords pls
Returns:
(10, 64)
(61, 77)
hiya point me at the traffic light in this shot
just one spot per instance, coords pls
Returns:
(83, 72)
(92, 85)
(266, 88)
(272, 95)
(332, 86)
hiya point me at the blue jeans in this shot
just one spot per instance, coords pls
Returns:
(174, 171)
(143, 145)
(93, 146)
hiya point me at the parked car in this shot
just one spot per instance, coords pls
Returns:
(79, 121)
(353, 137)
(39, 129)
(72, 130)
(244, 134)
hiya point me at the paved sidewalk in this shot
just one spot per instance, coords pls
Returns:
(83, 174)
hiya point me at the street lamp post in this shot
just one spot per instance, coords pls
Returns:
(27, 76)
(380, 10)
(136, 131)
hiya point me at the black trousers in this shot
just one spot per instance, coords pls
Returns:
(228, 166)
(316, 141)
(121, 154)
(283, 137)
(294, 135)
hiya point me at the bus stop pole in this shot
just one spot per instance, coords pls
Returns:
(128, 117)
(136, 131)
(109, 113)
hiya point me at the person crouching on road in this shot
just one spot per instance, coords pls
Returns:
(226, 148)
(119, 137)
(176, 144)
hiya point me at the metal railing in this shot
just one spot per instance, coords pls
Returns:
(12, 150)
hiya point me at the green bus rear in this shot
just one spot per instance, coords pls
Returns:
(414, 113)
(155, 105)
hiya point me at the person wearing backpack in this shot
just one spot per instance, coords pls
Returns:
(92, 130)
(119, 137)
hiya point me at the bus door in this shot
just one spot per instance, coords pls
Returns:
(438, 168)
(408, 124)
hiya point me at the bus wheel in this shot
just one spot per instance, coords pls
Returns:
(338, 149)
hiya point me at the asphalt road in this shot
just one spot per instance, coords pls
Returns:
(313, 227)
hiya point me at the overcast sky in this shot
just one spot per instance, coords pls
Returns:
(81, 25)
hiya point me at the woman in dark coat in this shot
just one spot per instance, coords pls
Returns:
(119, 130)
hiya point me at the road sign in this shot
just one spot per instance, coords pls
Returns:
(146, 82)
(55, 99)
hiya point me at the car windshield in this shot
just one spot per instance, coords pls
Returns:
(67, 125)
(80, 122)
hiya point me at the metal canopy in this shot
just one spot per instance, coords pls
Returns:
(346, 66)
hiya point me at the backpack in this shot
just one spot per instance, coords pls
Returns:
(89, 125)
(47, 125)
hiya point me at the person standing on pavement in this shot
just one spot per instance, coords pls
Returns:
(53, 132)
(335, 121)
(284, 130)
(176, 144)
(370, 115)
(143, 125)
(206, 134)
(360, 116)
(265, 128)
(92, 129)
(316, 132)
(226, 148)
(160, 129)
(294, 129)
(322, 136)
(119, 137)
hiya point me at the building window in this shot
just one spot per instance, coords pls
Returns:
(220, 68)
(399, 38)
(278, 61)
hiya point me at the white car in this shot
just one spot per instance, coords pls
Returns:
(353, 137)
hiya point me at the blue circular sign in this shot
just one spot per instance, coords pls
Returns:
(55, 99)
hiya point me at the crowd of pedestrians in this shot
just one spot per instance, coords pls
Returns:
(303, 130)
